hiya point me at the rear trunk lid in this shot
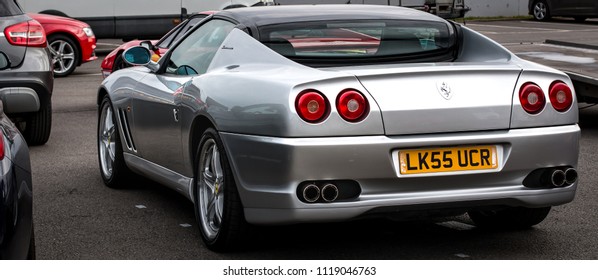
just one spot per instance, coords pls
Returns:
(438, 98)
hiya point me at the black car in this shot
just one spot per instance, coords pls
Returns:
(580, 10)
(16, 223)
(26, 88)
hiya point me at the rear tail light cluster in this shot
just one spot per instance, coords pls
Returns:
(533, 100)
(560, 96)
(313, 107)
(29, 33)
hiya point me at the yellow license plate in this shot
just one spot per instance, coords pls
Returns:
(447, 159)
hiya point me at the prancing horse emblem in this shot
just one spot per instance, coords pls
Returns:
(445, 90)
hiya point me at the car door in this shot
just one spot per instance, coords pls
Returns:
(588, 7)
(562, 7)
(156, 107)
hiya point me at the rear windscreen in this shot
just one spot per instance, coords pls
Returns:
(358, 39)
(9, 8)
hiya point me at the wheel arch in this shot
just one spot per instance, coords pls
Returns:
(102, 92)
(54, 13)
(200, 124)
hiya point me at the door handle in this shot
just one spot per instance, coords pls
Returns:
(175, 114)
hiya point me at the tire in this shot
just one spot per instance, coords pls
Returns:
(113, 168)
(580, 19)
(218, 208)
(65, 54)
(31, 254)
(540, 10)
(38, 125)
(509, 218)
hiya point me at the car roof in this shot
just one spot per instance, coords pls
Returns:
(260, 16)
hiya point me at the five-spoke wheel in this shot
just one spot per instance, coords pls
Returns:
(217, 203)
(112, 165)
(540, 10)
(65, 54)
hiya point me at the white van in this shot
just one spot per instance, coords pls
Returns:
(132, 18)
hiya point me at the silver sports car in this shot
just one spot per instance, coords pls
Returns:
(276, 115)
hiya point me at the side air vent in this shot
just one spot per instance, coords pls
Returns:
(124, 123)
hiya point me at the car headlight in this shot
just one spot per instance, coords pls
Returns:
(88, 31)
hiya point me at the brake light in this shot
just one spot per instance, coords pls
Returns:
(561, 96)
(532, 98)
(352, 105)
(30, 34)
(312, 106)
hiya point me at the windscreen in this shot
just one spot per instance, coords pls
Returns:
(359, 39)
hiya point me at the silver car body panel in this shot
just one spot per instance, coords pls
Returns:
(249, 92)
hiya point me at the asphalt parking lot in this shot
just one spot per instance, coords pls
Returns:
(77, 217)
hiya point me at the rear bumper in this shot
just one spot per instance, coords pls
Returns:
(268, 171)
(22, 89)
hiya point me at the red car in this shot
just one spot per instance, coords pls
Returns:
(70, 41)
(113, 61)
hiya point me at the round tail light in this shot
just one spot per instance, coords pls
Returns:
(561, 96)
(352, 105)
(532, 98)
(311, 106)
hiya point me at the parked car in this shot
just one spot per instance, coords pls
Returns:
(580, 10)
(113, 61)
(70, 41)
(255, 124)
(16, 208)
(26, 87)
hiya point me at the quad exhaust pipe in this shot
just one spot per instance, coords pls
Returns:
(312, 193)
(329, 192)
(559, 178)
(570, 176)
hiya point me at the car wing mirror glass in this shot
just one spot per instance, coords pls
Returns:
(137, 56)
(4, 61)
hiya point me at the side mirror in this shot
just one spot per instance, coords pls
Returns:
(4, 61)
(137, 56)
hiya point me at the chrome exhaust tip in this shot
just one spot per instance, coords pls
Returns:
(329, 192)
(570, 176)
(311, 193)
(557, 178)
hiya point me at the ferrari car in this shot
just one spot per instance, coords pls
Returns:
(113, 61)
(70, 41)
(16, 204)
(257, 126)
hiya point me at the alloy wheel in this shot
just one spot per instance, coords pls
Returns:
(540, 11)
(63, 56)
(211, 190)
(107, 141)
